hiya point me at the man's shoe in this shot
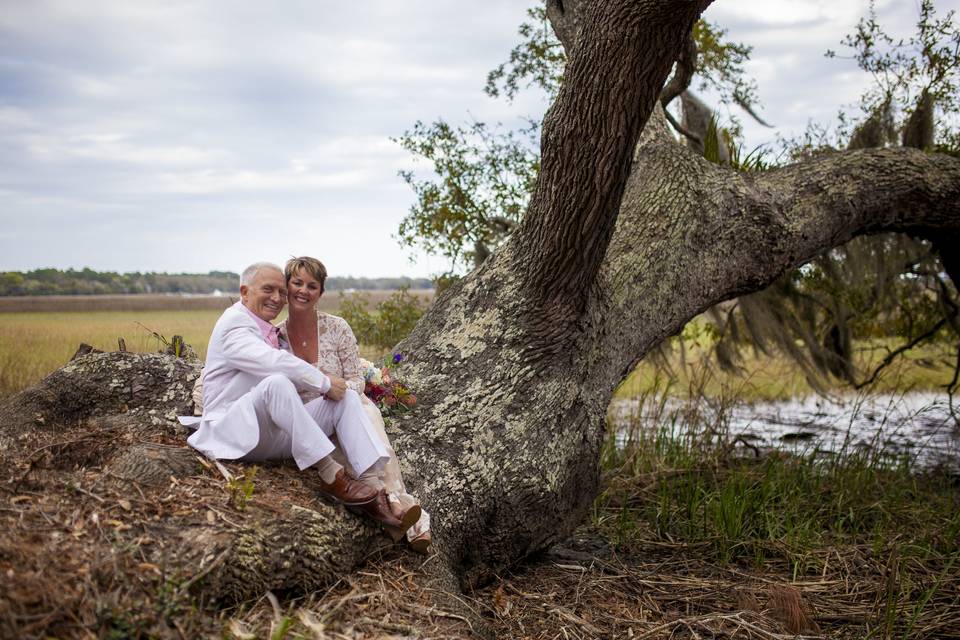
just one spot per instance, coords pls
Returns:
(350, 492)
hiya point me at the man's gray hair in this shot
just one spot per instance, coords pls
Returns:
(248, 275)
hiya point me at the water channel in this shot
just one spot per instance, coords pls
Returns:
(914, 424)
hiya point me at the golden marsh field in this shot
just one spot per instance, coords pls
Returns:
(39, 334)
(33, 344)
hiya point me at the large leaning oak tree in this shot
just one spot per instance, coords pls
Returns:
(628, 236)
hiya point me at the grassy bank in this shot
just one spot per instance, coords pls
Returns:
(688, 538)
(866, 545)
(691, 536)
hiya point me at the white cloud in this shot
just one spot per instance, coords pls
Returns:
(129, 118)
(213, 182)
(116, 148)
(786, 13)
(14, 118)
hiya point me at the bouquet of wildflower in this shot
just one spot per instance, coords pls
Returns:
(384, 390)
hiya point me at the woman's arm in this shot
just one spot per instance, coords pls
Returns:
(349, 355)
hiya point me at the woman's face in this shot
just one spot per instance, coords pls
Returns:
(303, 290)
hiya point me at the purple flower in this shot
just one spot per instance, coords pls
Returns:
(397, 357)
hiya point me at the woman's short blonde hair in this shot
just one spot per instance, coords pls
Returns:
(311, 265)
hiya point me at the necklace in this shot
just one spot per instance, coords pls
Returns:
(303, 343)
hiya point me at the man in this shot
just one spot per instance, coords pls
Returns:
(252, 410)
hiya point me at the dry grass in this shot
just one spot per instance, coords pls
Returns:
(133, 302)
(39, 334)
(36, 343)
(84, 587)
(83, 557)
(667, 590)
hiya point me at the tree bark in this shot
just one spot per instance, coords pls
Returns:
(515, 365)
(611, 83)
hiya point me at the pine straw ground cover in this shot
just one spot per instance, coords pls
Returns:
(82, 556)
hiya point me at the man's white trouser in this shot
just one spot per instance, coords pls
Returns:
(289, 428)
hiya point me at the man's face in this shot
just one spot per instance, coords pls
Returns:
(266, 295)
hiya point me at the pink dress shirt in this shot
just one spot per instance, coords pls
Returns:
(270, 333)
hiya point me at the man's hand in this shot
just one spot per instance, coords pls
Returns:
(338, 387)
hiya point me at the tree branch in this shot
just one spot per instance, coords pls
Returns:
(686, 133)
(890, 357)
(743, 231)
(683, 73)
(564, 16)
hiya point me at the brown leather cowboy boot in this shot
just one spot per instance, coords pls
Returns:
(421, 543)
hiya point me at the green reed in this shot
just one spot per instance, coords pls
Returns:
(681, 478)
(695, 484)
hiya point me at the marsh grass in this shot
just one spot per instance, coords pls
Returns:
(682, 479)
(34, 344)
(687, 361)
(39, 334)
(331, 301)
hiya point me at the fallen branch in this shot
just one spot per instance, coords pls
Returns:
(901, 349)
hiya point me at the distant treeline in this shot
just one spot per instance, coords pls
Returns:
(50, 282)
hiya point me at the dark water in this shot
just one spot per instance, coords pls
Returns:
(916, 425)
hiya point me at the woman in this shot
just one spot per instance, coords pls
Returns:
(328, 342)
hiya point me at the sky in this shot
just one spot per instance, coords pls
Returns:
(190, 136)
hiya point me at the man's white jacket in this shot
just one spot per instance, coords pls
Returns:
(238, 359)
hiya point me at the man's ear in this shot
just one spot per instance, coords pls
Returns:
(243, 292)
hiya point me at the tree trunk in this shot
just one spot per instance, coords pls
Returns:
(515, 365)
(507, 440)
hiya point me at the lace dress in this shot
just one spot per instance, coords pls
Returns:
(338, 355)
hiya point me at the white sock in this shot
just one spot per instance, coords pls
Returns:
(328, 468)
